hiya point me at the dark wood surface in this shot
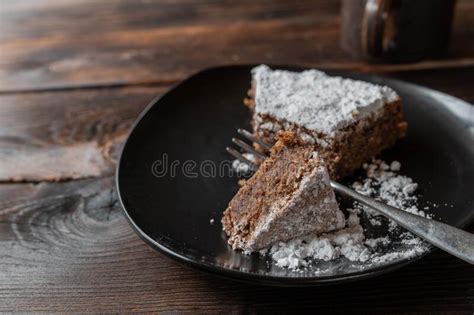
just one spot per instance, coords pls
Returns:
(73, 77)
(53, 44)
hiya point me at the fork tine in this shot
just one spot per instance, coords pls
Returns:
(248, 148)
(252, 138)
(241, 158)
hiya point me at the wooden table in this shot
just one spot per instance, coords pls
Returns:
(73, 77)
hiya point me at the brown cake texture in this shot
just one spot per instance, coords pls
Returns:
(325, 127)
(289, 196)
(345, 144)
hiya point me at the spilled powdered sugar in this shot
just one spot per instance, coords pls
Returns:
(242, 168)
(348, 242)
(382, 182)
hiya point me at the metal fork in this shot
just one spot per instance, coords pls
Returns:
(450, 239)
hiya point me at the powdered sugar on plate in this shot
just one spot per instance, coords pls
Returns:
(381, 181)
(242, 168)
(301, 252)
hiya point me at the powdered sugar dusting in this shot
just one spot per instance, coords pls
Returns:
(382, 182)
(315, 100)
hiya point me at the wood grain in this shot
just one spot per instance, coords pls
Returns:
(51, 44)
(65, 247)
(73, 77)
(66, 135)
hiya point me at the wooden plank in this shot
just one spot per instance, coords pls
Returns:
(65, 247)
(50, 44)
(66, 135)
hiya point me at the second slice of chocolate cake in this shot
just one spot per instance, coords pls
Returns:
(289, 196)
(347, 121)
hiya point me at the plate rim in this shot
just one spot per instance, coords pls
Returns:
(265, 279)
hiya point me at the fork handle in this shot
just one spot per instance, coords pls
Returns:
(450, 239)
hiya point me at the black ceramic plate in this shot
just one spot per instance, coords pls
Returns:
(192, 124)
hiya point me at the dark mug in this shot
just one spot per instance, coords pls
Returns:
(396, 30)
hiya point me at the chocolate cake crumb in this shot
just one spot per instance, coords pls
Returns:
(289, 196)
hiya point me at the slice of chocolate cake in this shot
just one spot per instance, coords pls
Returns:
(347, 121)
(289, 196)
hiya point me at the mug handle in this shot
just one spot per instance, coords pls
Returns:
(373, 25)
